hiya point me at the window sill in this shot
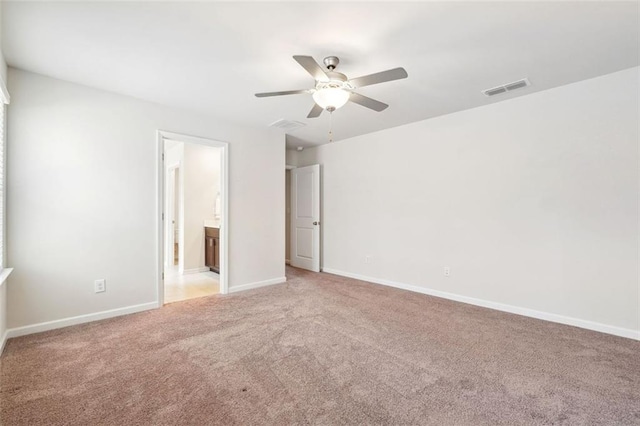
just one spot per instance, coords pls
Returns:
(4, 274)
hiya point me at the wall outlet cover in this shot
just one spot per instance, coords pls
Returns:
(100, 285)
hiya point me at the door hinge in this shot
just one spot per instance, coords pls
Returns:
(162, 216)
(163, 156)
(163, 275)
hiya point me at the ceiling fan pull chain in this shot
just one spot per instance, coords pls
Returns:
(330, 126)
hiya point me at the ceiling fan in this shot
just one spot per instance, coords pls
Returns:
(333, 89)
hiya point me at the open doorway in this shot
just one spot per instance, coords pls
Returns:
(193, 222)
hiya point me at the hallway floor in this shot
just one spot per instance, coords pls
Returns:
(184, 287)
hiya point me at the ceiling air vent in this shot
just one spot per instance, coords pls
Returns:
(507, 87)
(496, 91)
(287, 125)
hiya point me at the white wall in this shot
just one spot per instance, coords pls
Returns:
(3, 64)
(291, 157)
(201, 172)
(3, 68)
(3, 286)
(3, 316)
(287, 222)
(532, 202)
(82, 200)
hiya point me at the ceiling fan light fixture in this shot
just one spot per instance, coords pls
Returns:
(331, 97)
(333, 89)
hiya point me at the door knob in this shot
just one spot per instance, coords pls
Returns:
(316, 223)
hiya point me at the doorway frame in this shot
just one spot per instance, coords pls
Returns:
(163, 135)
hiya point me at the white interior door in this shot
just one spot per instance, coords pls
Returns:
(305, 217)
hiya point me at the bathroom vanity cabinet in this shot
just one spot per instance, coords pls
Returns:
(212, 249)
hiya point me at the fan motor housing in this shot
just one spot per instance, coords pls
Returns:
(331, 62)
(336, 82)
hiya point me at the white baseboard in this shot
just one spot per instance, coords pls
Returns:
(5, 336)
(589, 325)
(258, 284)
(195, 270)
(80, 319)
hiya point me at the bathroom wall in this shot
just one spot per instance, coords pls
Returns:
(201, 184)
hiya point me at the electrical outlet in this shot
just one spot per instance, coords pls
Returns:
(367, 259)
(447, 271)
(100, 285)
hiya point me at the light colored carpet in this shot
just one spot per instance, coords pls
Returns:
(320, 349)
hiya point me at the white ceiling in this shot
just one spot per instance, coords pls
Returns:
(212, 57)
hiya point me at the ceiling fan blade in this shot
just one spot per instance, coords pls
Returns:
(315, 111)
(368, 102)
(288, 92)
(312, 67)
(379, 77)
